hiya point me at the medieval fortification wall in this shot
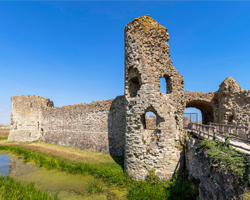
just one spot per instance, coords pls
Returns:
(97, 126)
(147, 60)
(120, 126)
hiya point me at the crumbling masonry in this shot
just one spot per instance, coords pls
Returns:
(119, 126)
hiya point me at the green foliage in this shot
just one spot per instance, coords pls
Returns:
(13, 189)
(227, 140)
(214, 136)
(178, 188)
(245, 196)
(228, 159)
(95, 186)
(110, 173)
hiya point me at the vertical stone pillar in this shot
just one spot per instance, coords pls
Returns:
(147, 60)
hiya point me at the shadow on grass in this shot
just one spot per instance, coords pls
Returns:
(177, 188)
(119, 160)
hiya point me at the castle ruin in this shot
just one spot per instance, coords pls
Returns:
(119, 126)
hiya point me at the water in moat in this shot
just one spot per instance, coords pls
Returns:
(69, 186)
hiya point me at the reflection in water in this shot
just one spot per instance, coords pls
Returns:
(4, 164)
(69, 186)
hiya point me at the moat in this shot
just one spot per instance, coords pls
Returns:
(68, 186)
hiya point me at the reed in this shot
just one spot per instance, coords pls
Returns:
(95, 186)
(12, 189)
(179, 187)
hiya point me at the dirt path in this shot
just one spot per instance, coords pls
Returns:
(69, 153)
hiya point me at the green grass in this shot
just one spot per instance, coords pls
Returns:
(245, 196)
(179, 187)
(228, 159)
(110, 173)
(13, 189)
(95, 186)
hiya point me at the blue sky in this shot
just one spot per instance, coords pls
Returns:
(73, 52)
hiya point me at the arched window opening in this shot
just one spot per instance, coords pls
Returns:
(133, 86)
(133, 82)
(150, 120)
(165, 84)
(230, 119)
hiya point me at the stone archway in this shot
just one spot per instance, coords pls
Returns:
(205, 108)
(201, 101)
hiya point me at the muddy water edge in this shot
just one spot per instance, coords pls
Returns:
(69, 186)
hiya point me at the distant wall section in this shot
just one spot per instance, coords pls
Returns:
(26, 117)
(97, 126)
(232, 103)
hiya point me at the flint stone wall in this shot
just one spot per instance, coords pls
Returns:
(215, 184)
(232, 103)
(203, 102)
(26, 117)
(147, 60)
(97, 126)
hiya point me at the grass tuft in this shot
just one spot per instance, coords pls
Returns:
(95, 186)
(178, 188)
(13, 189)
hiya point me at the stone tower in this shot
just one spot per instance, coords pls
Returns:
(147, 60)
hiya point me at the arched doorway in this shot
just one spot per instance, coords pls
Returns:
(205, 107)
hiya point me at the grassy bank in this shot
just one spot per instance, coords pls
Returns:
(179, 187)
(110, 173)
(231, 160)
(228, 159)
(4, 133)
(12, 189)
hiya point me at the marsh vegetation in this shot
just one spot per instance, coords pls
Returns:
(107, 178)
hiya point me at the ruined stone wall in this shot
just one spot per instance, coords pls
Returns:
(97, 126)
(26, 117)
(232, 104)
(203, 102)
(147, 60)
(215, 184)
(229, 105)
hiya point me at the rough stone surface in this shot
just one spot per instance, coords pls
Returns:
(232, 104)
(26, 117)
(229, 105)
(147, 60)
(203, 102)
(97, 126)
(215, 184)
